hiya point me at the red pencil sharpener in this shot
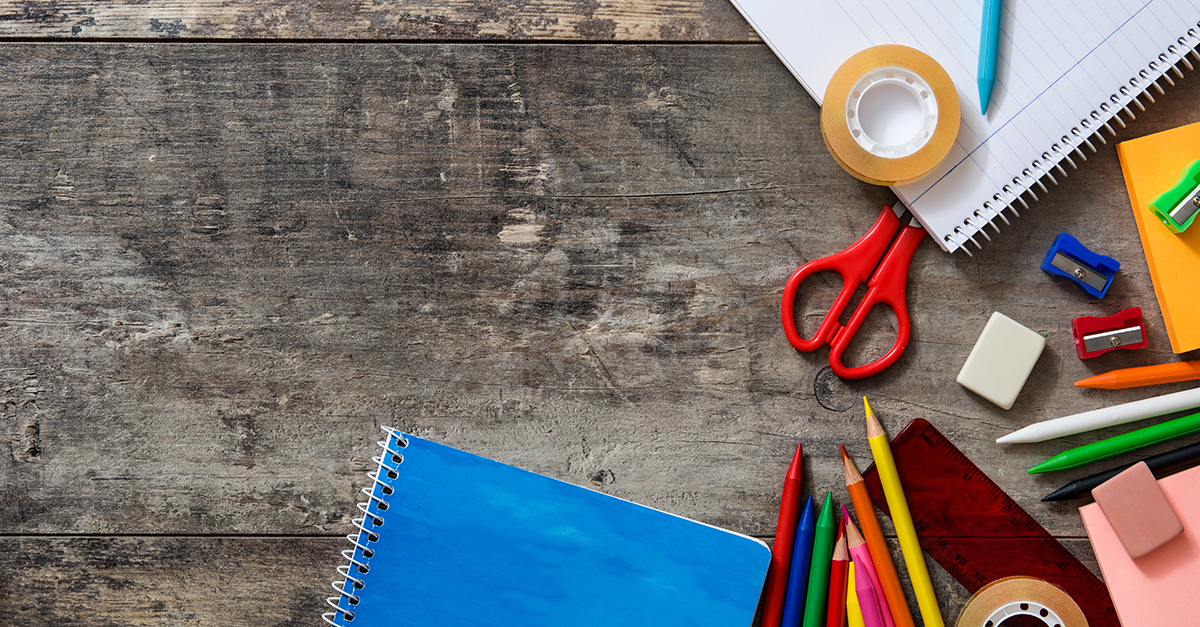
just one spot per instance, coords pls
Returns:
(1096, 335)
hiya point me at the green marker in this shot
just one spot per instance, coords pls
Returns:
(1116, 445)
(817, 596)
(1177, 207)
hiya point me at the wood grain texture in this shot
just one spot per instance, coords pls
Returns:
(224, 265)
(463, 20)
(233, 582)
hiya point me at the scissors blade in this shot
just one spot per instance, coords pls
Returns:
(901, 211)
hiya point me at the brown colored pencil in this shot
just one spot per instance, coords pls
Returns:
(876, 544)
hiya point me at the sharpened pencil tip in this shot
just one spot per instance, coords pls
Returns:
(874, 429)
(848, 467)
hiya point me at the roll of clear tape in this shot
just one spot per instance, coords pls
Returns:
(890, 115)
(1005, 598)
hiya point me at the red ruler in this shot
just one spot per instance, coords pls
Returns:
(975, 530)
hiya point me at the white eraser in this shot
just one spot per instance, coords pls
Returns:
(1001, 361)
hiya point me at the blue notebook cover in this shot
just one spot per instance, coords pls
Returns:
(450, 538)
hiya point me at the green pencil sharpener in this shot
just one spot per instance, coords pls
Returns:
(1177, 207)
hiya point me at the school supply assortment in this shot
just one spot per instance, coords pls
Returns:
(1151, 165)
(517, 547)
(976, 531)
(450, 538)
(1158, 588)
(858, 265)
(1067, 71)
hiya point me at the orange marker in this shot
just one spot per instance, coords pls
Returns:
(1143, 376)
(880, 555)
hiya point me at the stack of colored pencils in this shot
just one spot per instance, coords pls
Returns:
(824, 573)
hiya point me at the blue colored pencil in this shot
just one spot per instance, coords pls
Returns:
(797, 588)
(989, 50)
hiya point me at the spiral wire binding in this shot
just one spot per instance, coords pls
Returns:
(359, 557)
(1089, 128)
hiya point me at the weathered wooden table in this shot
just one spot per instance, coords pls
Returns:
(237, 237)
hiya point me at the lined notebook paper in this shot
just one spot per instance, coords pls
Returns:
(453, 539)
(1066, 69)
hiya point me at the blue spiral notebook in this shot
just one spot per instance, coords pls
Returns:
(449, 538)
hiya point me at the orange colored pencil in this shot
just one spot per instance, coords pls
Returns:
(836, 615)
(880, 556)
(1145, 375)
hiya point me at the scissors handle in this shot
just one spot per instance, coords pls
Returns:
(854, 264)
(887, 287)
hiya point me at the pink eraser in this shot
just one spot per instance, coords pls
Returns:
(1138, 510)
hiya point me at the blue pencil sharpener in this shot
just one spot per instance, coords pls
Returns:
(1092, 272)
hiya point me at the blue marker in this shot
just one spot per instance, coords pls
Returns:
(793, 601)
(989, 50)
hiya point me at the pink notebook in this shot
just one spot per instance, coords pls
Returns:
(1159, 588)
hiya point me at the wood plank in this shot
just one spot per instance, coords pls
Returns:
(205, 581)
(462, 20)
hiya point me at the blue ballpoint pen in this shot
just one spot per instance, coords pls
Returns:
(797, 586)
(989, 50)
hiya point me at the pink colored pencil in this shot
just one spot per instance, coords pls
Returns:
(866, 591)
(860, 553)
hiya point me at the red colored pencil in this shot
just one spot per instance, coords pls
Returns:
(785, 538)
(836, 616)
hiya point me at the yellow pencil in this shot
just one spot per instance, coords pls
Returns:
(914, 560)
(853, 613)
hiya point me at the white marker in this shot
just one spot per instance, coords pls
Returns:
(1104, 417)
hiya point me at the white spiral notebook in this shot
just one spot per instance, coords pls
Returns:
(1067, 71)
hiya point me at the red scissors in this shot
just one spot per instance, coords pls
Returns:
(886, 286)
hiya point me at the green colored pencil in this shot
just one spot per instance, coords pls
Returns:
(1116, 445)
(817, 595)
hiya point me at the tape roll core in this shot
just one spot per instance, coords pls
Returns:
(890, 115)
(1005, 598)
(891, 112)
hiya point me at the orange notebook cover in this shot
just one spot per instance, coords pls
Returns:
(1152, 164)
(1158, 589)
